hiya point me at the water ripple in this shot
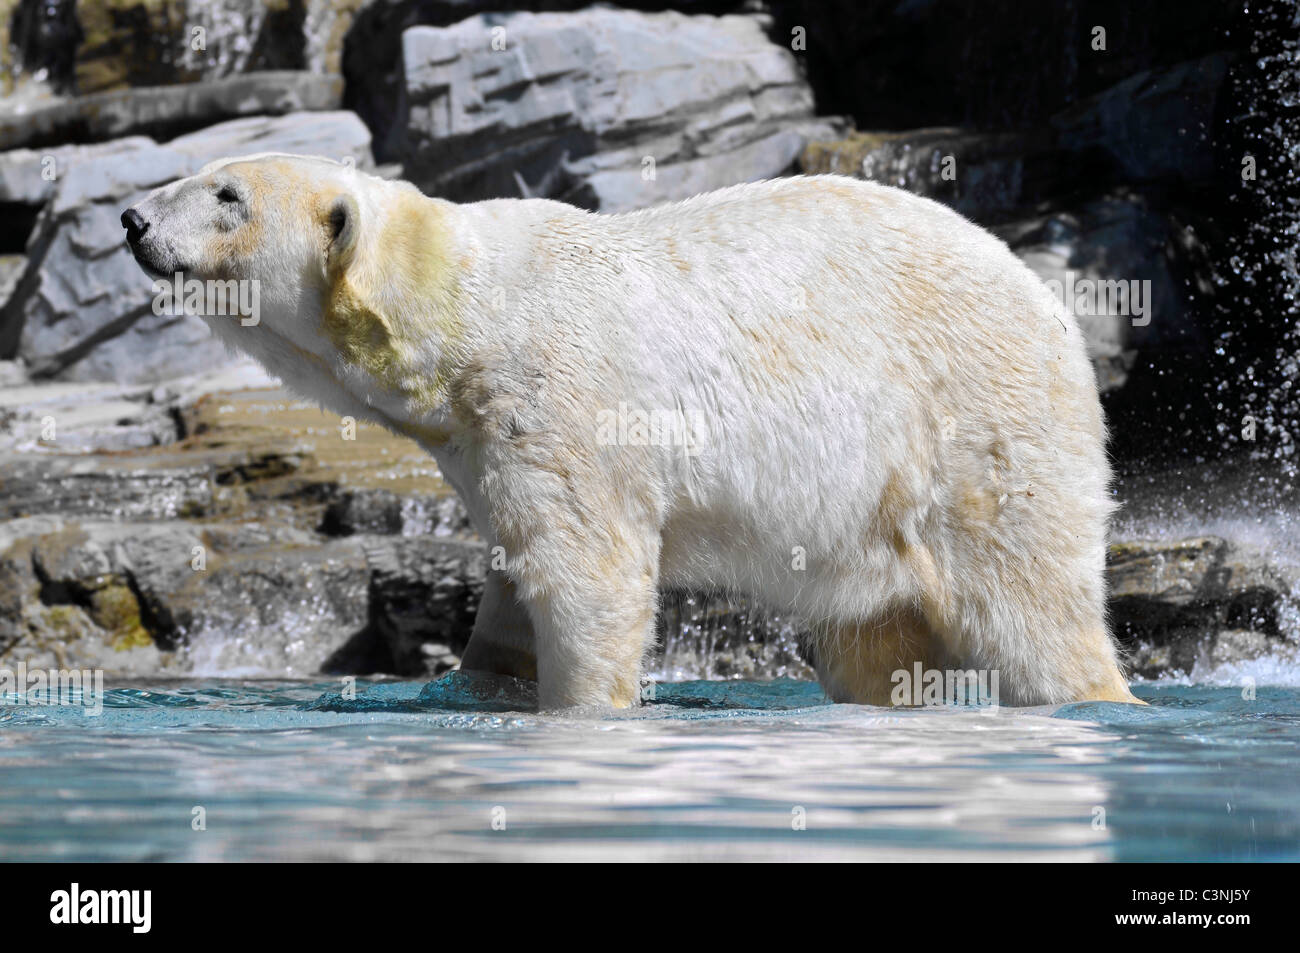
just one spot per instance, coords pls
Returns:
(465, 768)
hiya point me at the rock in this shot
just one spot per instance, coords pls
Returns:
(75, 569)
(335, 135)
(29, 177)
(372, 51)
(13, 374)
(163, 112)
(424, 592)
(326, 24)
(82, 308)
(238, 599)
(383, 512)
(152, 562)
(148, 43)
(1117, 238)
(160, 559)
(235, 598)
(253, 454)
(11, 269)
(27, 528)
(610, 109)
(271, 611)
(373, 511)
(214, 539)
(71, 565)
(88, 486)
(64, 47)
(622, 190)
(982, 175)
(1172, 602)
(69, 418)
(1078, 246)
(82, 419)
(1155, 125)
(67, 600)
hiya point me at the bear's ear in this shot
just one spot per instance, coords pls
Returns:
(342, 221)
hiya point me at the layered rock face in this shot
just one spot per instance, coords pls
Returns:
(91, 47)
(611, 110)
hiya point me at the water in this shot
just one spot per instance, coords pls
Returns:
(294, 771)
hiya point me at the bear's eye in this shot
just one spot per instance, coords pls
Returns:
(227, 194)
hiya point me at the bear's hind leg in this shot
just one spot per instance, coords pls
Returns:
(1046, 649)
(1090, 670)
(856, 661)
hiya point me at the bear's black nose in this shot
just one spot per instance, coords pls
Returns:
(134, 224)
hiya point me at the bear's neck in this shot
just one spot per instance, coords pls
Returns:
(395, 315)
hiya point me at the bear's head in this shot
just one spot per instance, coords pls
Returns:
(351, 273)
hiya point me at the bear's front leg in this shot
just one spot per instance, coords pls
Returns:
(590, 641)
(583, 553)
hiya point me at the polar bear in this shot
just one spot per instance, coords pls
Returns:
(842, 400)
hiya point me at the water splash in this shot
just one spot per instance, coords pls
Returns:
(712, 637)
(1263, 276)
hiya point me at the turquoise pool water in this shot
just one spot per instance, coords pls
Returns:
(739, 770)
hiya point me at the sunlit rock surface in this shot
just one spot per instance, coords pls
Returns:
(609, 109)
(166, 111)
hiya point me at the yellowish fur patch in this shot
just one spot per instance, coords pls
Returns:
(855, 661)
(397, 288)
